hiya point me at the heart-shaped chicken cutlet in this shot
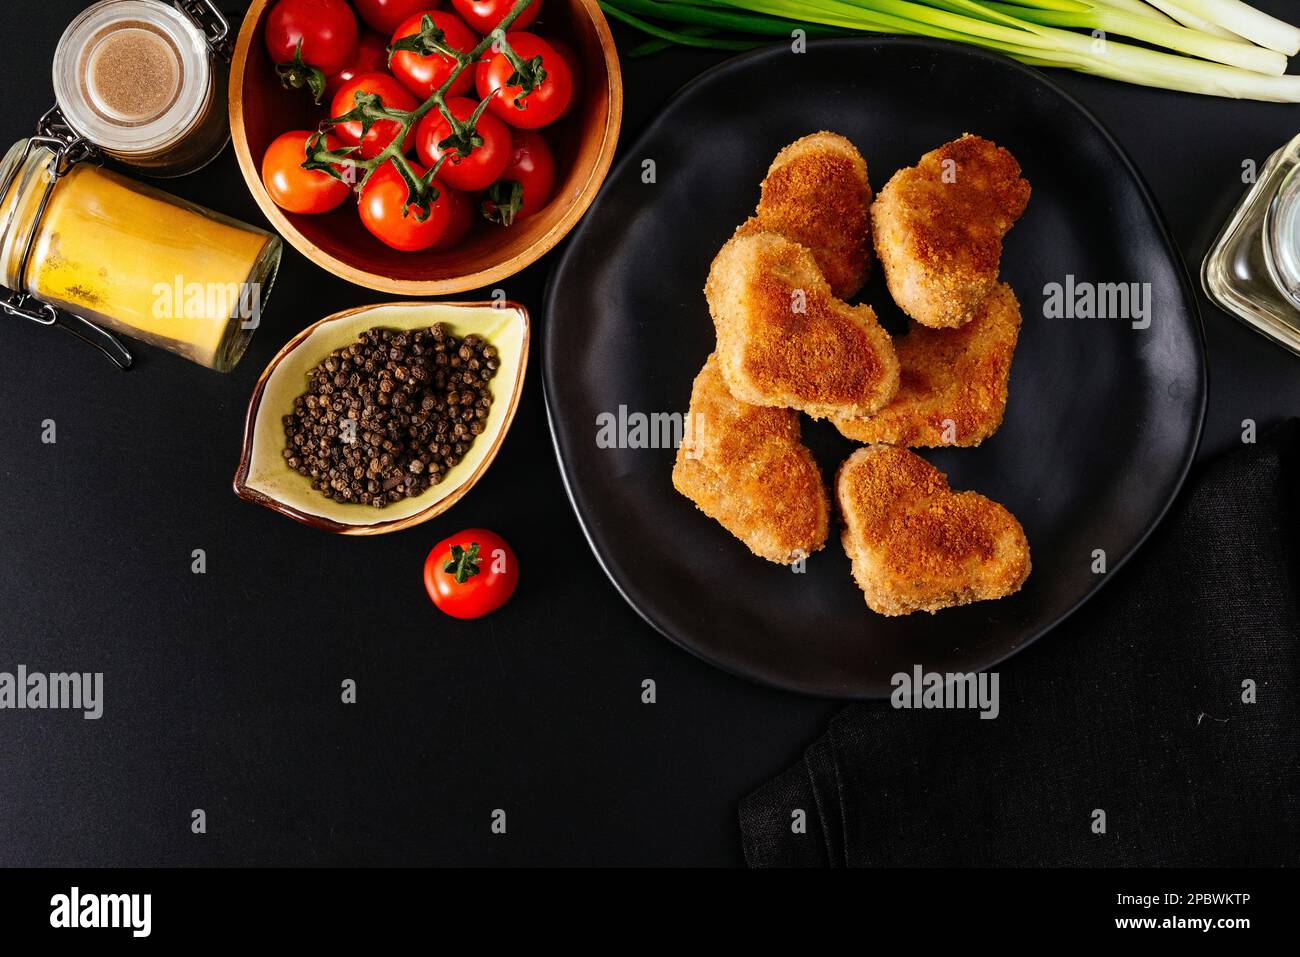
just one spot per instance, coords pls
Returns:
(817, 194)
(785, 340)
(915, 544)
(744, 466)
(938, 228)
(953, 386)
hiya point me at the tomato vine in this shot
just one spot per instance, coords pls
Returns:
(462, 138)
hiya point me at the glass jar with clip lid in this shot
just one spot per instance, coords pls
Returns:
(145, 82)
(1253, 269)
(94, 252)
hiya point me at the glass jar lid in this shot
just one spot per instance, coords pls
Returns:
(132, 76)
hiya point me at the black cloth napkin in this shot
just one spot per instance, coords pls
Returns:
(1133, 706)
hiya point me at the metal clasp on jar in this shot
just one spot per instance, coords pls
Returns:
(212, 22)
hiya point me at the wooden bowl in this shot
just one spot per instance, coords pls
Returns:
(264, 478)
(261, 109)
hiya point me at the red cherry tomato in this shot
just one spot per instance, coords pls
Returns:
(386, 15)
(385, 212)
(382, 132)
(546, 103)
(371, 57)
(326, 29)
(526, 183)
(575, 70)
(460, 217)
(471, 573)
(293, 188)
(484, 164)
(484, 15)
(424, 74)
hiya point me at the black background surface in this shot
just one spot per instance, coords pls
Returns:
(222, 690)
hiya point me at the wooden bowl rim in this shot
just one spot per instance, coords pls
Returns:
(428, 287)
(437, 508)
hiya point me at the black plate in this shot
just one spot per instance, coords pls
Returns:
(1103, 419)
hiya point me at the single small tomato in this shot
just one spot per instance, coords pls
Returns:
(293, 188)
(546, 102)
(568, 55)
(424, 74)
(527, 182)
(385, 212)
(484, 164)
(310, 40)
(387, 15)
(471, 573)
(371, 57)
(460, 217)
(383, 132)
(484, 15)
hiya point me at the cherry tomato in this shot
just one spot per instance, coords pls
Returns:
(371, 57)
(575, 70)
(484, 164)
(460, 217)
(326, 30)
(424, 74)
(546, 103)
(386, 15)
(382, 132)
(484, 15)
(471, 573)
(293, 188)
(526, 183)
(385, 213)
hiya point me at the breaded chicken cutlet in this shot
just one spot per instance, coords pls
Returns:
(952, 388)
(938, 228)
(915, 544)
(817, 194)
(745, 467)
(785, 340)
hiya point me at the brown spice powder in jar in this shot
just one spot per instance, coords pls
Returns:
(139, 80)
(131, 73)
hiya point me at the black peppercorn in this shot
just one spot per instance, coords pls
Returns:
(386, 418)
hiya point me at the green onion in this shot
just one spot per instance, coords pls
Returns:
(682, 38)
(1241, 52)
(1171, 35)
(1184, 16)
(1244, 20)
(654, 46)
(1138, 8)
(721, 16)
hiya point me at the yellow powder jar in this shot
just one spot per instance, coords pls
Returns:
(134, 259)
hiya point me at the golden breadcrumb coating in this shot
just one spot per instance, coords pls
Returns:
(938, 228)
(915, 544)
(745, 466)
(952, 389)
(785, 340)
(817, 194)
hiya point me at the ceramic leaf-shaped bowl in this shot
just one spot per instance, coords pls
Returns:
(264, 477)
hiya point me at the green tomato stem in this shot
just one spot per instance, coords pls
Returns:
(463, 137)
